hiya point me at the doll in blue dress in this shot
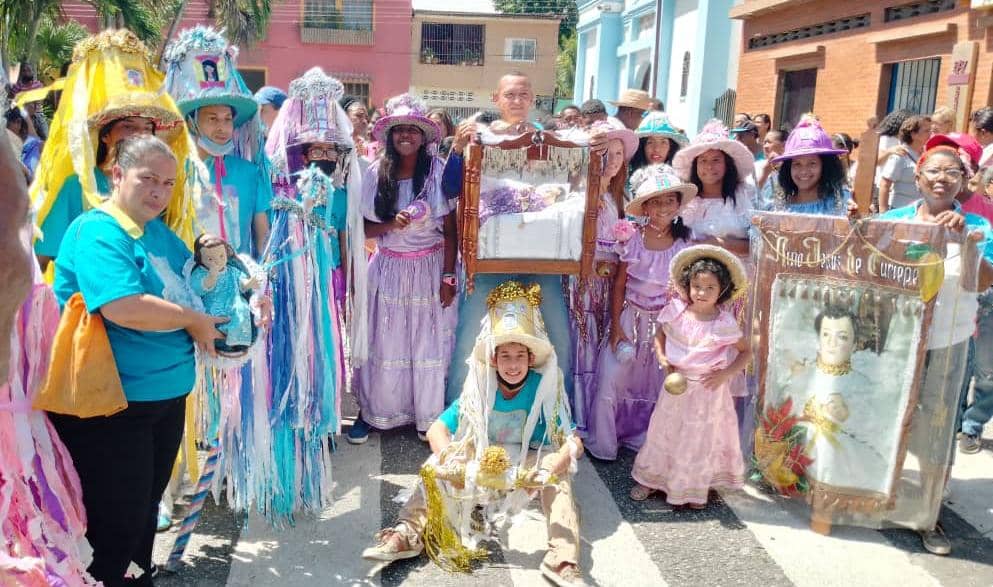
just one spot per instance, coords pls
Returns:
(224, 285)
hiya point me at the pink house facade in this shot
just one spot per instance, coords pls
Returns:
(364, 43)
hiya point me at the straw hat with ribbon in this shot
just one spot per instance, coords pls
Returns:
(111, 77)
(689, 255)
(403, 110)
(656, 180)
(714, 136)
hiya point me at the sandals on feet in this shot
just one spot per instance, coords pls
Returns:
(641, 493)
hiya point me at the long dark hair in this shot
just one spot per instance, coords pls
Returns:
(729, 183)
(832, 180)
(640, 160)
(388, 188)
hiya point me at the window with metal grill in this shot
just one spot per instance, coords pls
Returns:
(349, 15)
(525, 50)
(358, 89)
(915, 9)
(815, 30)
(452, 44)
(684, 82)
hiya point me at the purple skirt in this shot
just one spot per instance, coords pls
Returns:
(589, 320)
(411, 341)
(626, 392)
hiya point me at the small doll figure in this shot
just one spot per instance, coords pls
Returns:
(223, 284)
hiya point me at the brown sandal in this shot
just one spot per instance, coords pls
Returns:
(640, 493)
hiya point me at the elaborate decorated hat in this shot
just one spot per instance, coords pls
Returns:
(808, 138)
(639, 99)
(514, 316)
(310, 114)
(655, 180)
(613, 129)
(689, 255)
(111, 77)
(406, 109)
(658, 124)
(714, 136)
(201, 71)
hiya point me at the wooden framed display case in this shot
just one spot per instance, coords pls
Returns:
(529, 205)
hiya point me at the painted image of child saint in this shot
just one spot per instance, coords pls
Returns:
(853, 423)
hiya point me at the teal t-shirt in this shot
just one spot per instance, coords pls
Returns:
(252, 192)
(67, 206)
(337, 217)
(106, 257)
(507, 418)
(972, 222)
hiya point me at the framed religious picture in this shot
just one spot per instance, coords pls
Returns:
(529, 205)
(843, 320)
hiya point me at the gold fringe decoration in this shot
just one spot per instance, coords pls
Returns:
(441, 541)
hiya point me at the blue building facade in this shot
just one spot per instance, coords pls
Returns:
(698, 54)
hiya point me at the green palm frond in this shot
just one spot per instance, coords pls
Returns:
(244, 21)
(142, 17)
(54, 43)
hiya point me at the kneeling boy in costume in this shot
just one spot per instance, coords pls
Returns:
(508, 437)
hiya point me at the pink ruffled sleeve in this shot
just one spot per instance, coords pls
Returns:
(631, 250)
(726, 331)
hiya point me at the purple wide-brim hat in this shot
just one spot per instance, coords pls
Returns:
(406, 110)
(808, 138)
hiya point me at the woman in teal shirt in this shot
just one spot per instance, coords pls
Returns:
(126, 264)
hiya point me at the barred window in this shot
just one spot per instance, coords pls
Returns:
(353, 15)
(358, 89)
(815, 30)
(521, 50)
(452, 44)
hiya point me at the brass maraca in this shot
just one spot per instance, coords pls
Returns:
(675, 383)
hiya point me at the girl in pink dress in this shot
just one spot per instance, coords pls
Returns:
(692, 442)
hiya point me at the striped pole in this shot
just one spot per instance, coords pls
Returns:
(196, 506)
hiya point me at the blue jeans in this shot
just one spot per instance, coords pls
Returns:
(473, 308)
(981, 367)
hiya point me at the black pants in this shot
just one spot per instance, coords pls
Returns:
(124, 463)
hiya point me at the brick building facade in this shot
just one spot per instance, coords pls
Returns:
(852, 60)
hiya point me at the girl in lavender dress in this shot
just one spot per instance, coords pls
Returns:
(589, 302)
(629, 377)
(692, 444)
(411, 276)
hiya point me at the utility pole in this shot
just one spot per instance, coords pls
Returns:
(656, 49)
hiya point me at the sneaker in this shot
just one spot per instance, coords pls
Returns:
(422, 436)
(359, 432)
(935, 541)
(569, 576)
(393, 545)
(969, 444)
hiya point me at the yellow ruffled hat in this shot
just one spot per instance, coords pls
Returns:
(111, 77)
(514, 316)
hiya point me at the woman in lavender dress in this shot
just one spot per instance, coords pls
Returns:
(411, 285)
(589, 305)
(628, 374)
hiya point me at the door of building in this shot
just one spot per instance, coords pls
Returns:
(796, 95)
(914, 85)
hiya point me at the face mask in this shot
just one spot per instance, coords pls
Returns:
(326, 167)
(215, 149)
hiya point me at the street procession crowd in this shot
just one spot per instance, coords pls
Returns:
(213, 270)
